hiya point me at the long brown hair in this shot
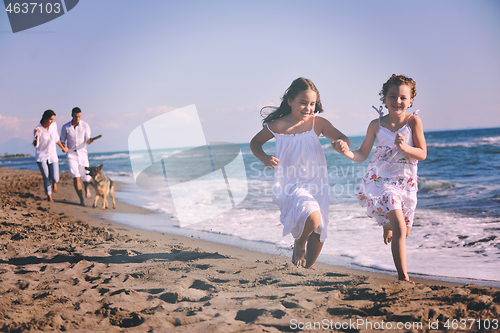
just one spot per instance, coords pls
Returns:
(297, 86)
(47, 115)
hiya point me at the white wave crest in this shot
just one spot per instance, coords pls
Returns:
(485, 141)
(109, 157)
(428, 185)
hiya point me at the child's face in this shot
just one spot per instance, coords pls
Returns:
(398, 98)
(304, 104)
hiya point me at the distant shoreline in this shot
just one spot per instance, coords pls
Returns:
(15, 155)
(27, 146)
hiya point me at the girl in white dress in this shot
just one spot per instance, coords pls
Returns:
(389, 188)
(300, 173)
(45, 140)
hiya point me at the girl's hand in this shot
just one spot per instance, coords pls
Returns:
(271, 161)
(340, 146)
(400, 142)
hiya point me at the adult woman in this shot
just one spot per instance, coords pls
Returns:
(46, 137)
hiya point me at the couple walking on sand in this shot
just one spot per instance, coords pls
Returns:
(76, 135)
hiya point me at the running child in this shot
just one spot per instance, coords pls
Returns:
(389, 188)
(300, 174)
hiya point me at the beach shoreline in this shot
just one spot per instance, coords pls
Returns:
(67, 267)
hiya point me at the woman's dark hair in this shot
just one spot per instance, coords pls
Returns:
(295, 88)
(47, 115)
(398, 80)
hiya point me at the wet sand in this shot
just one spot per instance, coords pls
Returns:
(66, 268)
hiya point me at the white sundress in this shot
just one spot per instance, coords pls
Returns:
(300, 181)
(391, 179)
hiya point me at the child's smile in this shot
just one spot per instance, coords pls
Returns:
(398, 99)
(303, 105)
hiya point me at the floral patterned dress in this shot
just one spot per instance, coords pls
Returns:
(391, 180)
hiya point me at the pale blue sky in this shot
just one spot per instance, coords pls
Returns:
(123, 62)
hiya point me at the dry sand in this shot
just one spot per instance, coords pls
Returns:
(65, 268)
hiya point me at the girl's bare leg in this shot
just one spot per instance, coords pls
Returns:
(398, 244)
(299, 248)
(314, 247)
(388, 233)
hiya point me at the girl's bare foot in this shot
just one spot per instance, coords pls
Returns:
(49, 198)
(54, 187)
(299, 254)
(387, 233)
(407, 280)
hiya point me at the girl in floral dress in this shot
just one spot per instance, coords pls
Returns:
(389, 188)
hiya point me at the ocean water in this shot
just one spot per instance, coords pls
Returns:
(455, 236)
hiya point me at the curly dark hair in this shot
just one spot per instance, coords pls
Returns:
(398, 80)
(297, 86)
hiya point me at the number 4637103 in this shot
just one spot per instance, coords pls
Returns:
(33, 7)
(471, 323)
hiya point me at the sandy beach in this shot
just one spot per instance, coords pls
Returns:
(66, 268)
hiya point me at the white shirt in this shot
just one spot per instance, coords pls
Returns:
(46, 146)
(76, 138)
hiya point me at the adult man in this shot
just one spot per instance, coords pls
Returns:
(77, 134)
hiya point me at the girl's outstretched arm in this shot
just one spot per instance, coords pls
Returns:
(330, 132)
(419, 151)
(256, 146)
(363, 152)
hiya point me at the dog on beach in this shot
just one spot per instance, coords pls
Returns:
(103, 186)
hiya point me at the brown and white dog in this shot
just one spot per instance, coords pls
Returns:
(103, 186)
